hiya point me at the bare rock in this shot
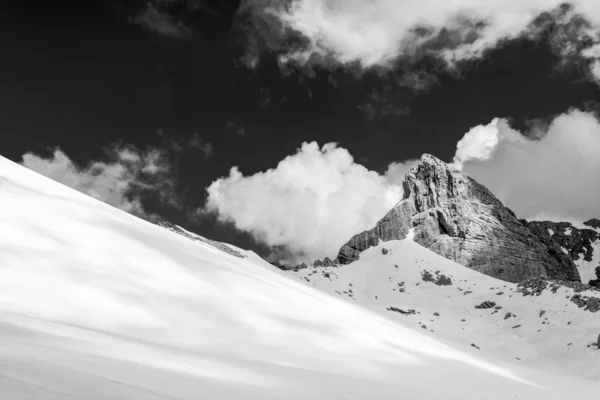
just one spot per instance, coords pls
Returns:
(578, 242)
(456, 217)
(596, 282)
(398, 310)
(593, 223)
(439, 278)
(485, 305)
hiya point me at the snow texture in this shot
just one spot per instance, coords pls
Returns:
(98, 304)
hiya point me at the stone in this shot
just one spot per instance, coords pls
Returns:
(398, 310)
(439, 279)
(595, 283)
(532, 286)
(485, 305)
(327, 262)
(591, 304)
(456, 217)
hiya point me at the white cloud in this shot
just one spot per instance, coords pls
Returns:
(310, 204)
(557, 175)
(156, 20)
(481, 141)
(377, 32)
(120, 181)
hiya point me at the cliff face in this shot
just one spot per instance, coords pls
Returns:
(581, 244)
(456, 217)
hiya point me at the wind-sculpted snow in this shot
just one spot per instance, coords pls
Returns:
(97, 304)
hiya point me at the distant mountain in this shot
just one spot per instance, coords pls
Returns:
(458, 218)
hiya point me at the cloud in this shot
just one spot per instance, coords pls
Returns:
(232, 126)
(155, 18)
(382, 104)
(381, 33)
(206, 148)
(310, 204)
(121, 180)
(553, 173)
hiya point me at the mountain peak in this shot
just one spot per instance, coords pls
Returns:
(460, 219)
(430, 159)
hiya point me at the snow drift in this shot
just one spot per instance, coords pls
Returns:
(98, 304)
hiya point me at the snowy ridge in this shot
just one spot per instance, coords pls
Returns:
(98, 304)
(194, 236)
(403, 280)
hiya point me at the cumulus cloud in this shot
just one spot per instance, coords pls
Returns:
(121, 180)
(310, 204)
(155, 18)
(380, 32)
(552, 174)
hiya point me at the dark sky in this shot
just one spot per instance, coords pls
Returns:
(80, 75)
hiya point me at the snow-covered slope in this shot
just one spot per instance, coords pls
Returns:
(97, 304)
(420, 288)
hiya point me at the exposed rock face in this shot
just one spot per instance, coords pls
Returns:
(593, 223)
(577, 242)
(582, 245)
(456, 217)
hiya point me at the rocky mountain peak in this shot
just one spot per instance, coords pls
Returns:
(460, 219)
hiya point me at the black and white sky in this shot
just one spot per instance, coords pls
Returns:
(286, 126)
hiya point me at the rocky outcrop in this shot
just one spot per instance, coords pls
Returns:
(596, 282)
(581, 245)
(197, 238)
(485, 305)
(456, 217)
(577, 242)
(593, 223)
